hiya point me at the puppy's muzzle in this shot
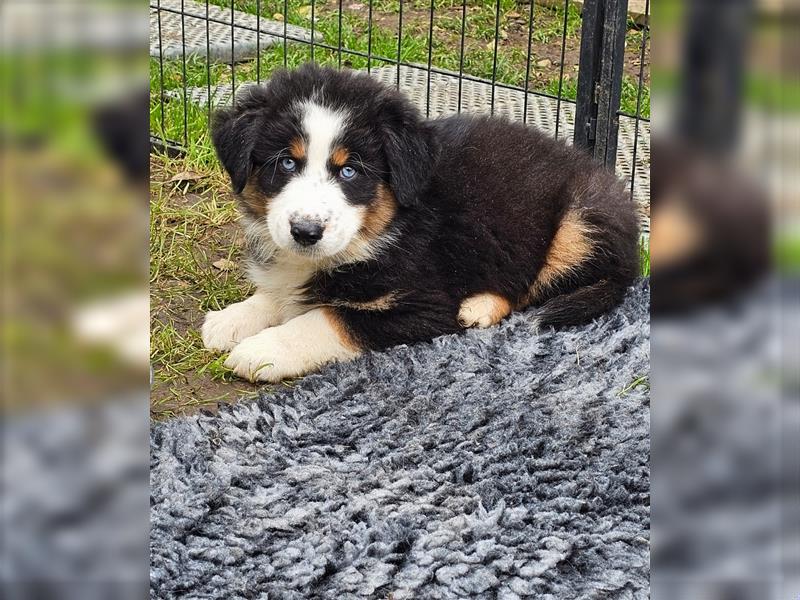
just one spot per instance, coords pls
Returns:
(306, 232)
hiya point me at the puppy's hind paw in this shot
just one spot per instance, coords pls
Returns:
(483, 310)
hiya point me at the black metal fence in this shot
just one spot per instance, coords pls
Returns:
(496, 56)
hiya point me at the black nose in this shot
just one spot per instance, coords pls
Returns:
(306, 233)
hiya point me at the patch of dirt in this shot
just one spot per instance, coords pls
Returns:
(178, 303)
(190, 391)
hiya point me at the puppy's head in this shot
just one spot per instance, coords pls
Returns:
(326, 159)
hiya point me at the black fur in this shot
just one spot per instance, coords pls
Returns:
(479, 201)
(234, 134)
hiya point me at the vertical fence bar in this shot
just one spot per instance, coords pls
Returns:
(161, 70)
(339, 36)
(369, 38)
(645, 35)
(208, 70)
(258, 42)
(183, 82)
(709, 103)
(561, 66)
(494, 55)
(588, 74)
(461, 54)
(528, 64)
(430, 62)
(399, 42)
(285, 38)
(600, 78)
(233, 58)
(610, 90)
(313, 15)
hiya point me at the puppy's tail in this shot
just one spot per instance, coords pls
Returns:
(581, 305)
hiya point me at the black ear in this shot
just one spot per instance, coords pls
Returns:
(410, 148)
(233, 133)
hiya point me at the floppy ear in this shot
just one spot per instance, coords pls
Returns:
(233, 134)
(410, 149)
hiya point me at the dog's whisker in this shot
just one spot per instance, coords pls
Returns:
(367, 166)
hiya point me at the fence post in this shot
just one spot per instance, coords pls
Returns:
(602, 57)
(709, 99)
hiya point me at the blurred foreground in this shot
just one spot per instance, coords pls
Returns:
(725, 259)
(75, 310)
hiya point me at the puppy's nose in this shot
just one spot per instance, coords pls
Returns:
(306, 233)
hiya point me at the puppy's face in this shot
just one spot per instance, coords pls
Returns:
(320, 182)
(319, 159)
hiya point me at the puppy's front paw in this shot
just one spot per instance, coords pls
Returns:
(225, 328)
(264, 357)
(295, 348)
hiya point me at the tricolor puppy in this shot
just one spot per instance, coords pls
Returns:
(368, 227)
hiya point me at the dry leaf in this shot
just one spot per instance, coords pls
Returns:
(224, 264)
(305, 11)
(186, 176)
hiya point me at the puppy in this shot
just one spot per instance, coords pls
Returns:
(368, 227)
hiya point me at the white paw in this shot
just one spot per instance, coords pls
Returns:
(295, 348)
(472, 315)
(223, 329)
(483, 310)
(265, 357)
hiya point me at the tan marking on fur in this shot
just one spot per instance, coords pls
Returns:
(345, 337)
(254, 199)
(380, 304)
(339, 156)
(379, 213)
(297, 148)
(483, 310)
(570, 247)
(675, 234)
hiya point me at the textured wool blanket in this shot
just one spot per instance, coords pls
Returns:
(502, 463)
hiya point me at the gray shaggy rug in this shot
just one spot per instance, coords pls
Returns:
(496, 464)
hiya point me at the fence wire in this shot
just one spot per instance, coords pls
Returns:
(223, 40)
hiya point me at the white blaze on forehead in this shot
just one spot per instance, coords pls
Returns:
(322, 127)
(314, 193)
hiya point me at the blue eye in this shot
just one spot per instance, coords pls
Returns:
(347, 173)
(287, 164)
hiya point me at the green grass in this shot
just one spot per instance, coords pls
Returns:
(191, 225)
(644, 258)
(642, 380)
(173, 254)
(786, 252)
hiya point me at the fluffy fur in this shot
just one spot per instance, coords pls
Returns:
(397, 230)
